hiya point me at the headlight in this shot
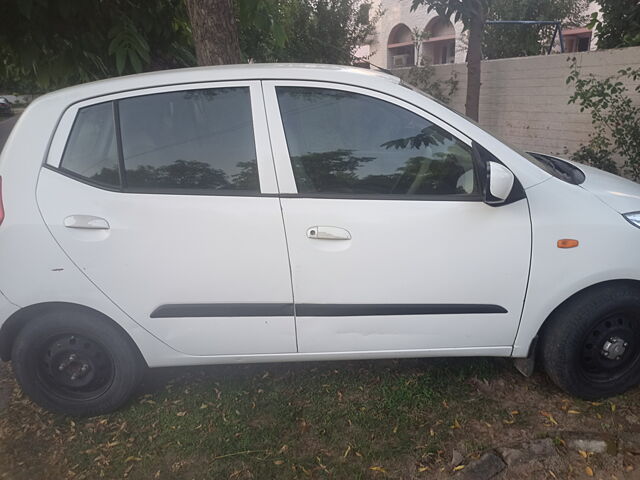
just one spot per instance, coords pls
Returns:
(633, 218)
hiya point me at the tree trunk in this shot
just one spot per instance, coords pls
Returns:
(474, 58)
(215, 31)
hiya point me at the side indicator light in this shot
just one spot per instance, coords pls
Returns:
(568, 243)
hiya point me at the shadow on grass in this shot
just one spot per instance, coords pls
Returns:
(157, 379)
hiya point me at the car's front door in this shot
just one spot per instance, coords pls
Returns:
(158, 196)
(391, 245)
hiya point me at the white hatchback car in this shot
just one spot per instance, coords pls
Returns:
(272, 213)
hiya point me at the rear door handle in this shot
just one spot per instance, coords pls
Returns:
(328, 233)
(87, 222)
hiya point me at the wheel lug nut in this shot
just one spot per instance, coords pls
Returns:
(65, 363)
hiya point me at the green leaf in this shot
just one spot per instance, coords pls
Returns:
(113, 46)
(594, 20)
(141, 45)
(121, 56)
(135, 61)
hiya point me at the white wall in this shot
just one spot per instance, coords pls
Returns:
(524, 100)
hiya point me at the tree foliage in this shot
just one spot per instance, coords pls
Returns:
(472, 13)
(620, 24)
(46, 44)
(216, 26)
(316, 31)
(461, 10)
(504, 41)
(614, 115)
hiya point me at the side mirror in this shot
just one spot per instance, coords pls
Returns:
(499, 184)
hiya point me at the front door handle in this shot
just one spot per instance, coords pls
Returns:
(328, 233)
(88, 222)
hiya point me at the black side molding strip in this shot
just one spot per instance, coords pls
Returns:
(369, 309)
(319, 309)
(224, 310)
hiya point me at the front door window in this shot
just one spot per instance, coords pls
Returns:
(347, 143)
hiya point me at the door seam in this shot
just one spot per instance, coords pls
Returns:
(284, 225)
(526, 288)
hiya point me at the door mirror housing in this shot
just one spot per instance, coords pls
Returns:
(500, 182)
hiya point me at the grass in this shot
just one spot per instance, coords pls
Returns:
(385, 419)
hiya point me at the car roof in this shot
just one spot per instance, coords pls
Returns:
(265, 71)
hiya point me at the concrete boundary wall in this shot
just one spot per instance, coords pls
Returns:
(524, 100)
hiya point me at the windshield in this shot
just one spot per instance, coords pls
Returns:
(559, 168)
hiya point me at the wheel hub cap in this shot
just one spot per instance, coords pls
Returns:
(614, 348)
(611, 347)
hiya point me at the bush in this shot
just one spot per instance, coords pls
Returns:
(596, 157)
(616, 119)
(423, 78)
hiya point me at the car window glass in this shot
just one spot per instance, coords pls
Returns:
(91, 148)
(347, 143)
(194, 140)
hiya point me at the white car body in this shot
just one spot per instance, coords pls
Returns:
(199, 279)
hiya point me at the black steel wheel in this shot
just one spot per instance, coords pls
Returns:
(76, 362)
(75, 367)
(590, 346)
(611, 347)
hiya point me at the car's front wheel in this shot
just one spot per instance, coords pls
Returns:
(591, 345)
(76, 362)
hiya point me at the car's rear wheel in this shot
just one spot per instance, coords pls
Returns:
(76, 362)
(591, 345)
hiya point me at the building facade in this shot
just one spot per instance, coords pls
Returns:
(403, 38)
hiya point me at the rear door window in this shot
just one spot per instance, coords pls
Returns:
(193, 141)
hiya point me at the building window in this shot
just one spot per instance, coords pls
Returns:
(439, 44)
(577, 40)
(400, 48)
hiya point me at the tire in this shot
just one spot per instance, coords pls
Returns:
(591, 344)
(77, 363)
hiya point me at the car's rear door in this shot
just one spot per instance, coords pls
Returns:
(392, 247)
(166, 200)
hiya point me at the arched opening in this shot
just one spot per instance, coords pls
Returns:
(400, 49)
(439, 44)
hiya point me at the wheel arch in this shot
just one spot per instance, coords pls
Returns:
(585, 291)
(19, 319)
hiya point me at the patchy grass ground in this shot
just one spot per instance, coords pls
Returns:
(382, 419)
